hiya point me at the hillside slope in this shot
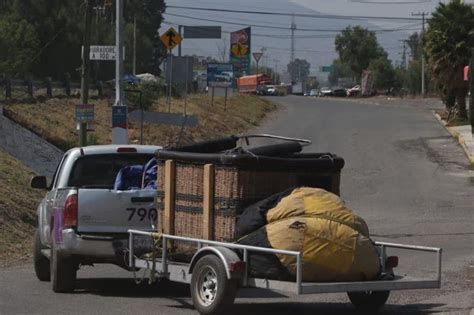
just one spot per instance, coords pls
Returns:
(54, 119)
(18, 204)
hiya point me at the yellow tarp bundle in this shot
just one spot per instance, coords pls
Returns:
(334, 241)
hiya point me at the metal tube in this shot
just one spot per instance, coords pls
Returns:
(164, 254)
(413, 247)
(264, 135)
(438, 276)
(246, 260)
(299, 273)
(215, 243)
(130, 245)
(382, 257)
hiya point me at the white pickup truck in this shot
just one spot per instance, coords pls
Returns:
(83, 219)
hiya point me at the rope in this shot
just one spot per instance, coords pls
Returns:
(156, 245)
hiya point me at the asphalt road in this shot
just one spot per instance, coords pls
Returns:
(404, 174)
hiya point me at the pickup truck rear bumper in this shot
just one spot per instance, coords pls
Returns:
(86, 245)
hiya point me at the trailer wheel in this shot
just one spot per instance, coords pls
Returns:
(63, 271)
(211, 291)
(41, 262)
(368, 300)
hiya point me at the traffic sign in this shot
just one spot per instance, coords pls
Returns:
(329, 69)
(102, 52)
(85, 113)
(171, 38)
(257, 56)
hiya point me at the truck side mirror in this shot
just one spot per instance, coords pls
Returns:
(39, 182)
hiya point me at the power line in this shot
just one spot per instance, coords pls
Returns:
(319, 16)
(401, 28)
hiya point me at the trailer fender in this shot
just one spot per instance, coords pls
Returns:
(234, 266)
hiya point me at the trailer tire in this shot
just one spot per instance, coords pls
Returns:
(211, 291)
(63, 271)
(369, 300)
(40, 262)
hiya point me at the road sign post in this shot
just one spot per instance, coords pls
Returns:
(119, 110)
(257, 56)
(170, 40)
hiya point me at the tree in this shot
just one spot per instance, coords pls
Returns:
(19, 45)
(448, 44)
(384, 75)
(341, 70)
(414, 43)
(356, 47)
(298, 69)
(412, 77)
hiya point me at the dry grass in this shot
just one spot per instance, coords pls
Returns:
(18, 204)
(54, 119)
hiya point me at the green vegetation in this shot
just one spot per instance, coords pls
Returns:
(43, 38)
(357, 47)
(359, 50)
(17, 210)
(448, 44)
(299, 69)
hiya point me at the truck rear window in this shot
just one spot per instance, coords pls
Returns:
(99, 171)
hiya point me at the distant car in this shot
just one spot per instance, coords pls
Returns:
(270, 90)
(339, 92)
(325, 91)
(313, 92)
(131, 79)
(354, 91)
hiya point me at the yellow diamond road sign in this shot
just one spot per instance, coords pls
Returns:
(171, 38)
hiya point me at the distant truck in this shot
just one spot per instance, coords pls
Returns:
(252, 83)
(84, 216)
(297, 88)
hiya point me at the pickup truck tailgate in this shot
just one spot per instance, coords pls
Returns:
(112, 211)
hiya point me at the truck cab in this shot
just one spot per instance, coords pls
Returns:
(84, 217)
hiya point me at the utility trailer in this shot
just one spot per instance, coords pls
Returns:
(218, 269)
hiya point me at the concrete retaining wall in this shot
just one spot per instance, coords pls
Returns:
(30, 149)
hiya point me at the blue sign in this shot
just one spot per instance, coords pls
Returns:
(119, 117)
(85, 113)
(220, 74)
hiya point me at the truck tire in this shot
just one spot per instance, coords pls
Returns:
(41, 262)
(63, 271)
(369, 300)
(211, 291)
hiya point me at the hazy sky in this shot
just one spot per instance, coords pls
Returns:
(398, 8)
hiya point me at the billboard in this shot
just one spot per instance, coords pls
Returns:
(220, 74)
(202, 31)
(240, 51)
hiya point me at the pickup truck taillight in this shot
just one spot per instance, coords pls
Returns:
(70, 211)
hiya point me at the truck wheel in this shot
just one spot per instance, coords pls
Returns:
(40, 261)
(369, 300)
(211, 291)
(63, 271)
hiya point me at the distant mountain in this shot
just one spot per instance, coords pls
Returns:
(316, 47)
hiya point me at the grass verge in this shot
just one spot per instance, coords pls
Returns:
(54, 119)
(18, 205)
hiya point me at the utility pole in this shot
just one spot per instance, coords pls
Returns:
(119, 110)
(422, 14)
(134, 44)
(293, 28)
(404, 63)
(180, 31)
(85, 69)
(276, 71)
